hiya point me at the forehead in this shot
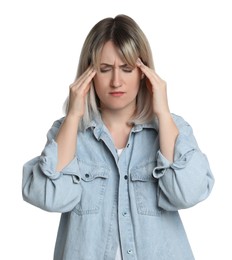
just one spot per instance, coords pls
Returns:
(110, 53)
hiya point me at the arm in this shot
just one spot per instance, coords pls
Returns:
(168, 133)
(188, 179)
(46, 188)
(51, 181)
(66, 140)
(183, 172)
(67, 136)
(167, 127)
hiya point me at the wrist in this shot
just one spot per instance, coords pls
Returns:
(164, 116)
(72, 118)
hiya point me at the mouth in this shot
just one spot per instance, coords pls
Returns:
(117, 93)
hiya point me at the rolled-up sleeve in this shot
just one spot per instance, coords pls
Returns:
(188, 179)
(46, 188)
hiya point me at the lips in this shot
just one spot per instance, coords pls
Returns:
(117, 93)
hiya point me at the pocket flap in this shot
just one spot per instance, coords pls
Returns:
(143, 173)
(89, 172)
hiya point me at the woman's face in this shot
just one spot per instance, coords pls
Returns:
(116, 83)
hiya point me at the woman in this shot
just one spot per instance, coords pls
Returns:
(119, 165)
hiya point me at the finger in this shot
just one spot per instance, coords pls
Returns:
(145, 69)
(150, 73)
(83, 88)
(86, 81)
(81, 79)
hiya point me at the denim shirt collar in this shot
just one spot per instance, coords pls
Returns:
(98, 127)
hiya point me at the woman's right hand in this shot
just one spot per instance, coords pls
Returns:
(77, 93)
(67, 134)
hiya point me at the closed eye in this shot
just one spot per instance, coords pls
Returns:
(105, 68)
(127, 69)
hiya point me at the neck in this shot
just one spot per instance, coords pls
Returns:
(116, 119)
(117, 124)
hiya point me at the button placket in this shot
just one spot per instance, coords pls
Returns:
(125, 224)
(124, 214)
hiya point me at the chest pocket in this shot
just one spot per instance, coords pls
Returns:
(146, 190)
(94, 179)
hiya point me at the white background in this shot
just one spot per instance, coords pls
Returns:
(40, 45)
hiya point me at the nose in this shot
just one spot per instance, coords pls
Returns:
(116, 80)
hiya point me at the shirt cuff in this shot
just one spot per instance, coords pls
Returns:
(183, 152)
(48, 162)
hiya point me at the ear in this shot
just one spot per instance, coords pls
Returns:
(142, 76)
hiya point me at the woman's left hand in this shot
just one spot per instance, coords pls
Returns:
(157, 87)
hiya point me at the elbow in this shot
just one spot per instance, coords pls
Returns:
(61, 205)
(193, 195)
(185, 194)
(52, 195)
(184, 203)
(51, 202)
(36, 198)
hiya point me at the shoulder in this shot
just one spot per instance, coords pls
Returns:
(57, 123)
(179, 120)
(183, 126)
(54, 128)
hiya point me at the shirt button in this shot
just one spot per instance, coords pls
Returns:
(128, 145)
(129, 251)
(124, 214)
(125, 177)
(87, 175)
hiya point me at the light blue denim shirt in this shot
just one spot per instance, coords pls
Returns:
(133, 198)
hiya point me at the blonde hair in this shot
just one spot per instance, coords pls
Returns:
(132, 43)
